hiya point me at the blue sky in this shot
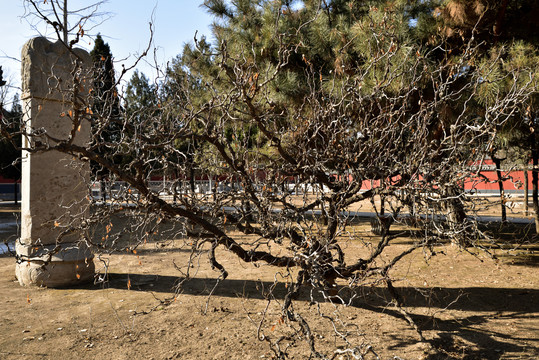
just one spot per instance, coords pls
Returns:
(126, 31)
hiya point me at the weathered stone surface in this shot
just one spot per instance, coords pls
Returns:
(54, 193)
(46, 68)
(54, 266)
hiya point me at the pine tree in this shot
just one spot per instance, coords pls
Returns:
(105, 106)
(106, 124)
(394, 49)
(9, 167)
(10, 144)
(140, 98)
(504, 33)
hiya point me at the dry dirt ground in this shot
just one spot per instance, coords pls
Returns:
(468, 305)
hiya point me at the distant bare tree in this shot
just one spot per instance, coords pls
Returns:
(66, 22)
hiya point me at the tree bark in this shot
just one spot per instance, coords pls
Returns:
(103, 190)
(215, 186)
(192, 179)
(535, 181)
(382, 198)
(455, 208)
(175, 187)
(526, 197)
(498, 162)
(65, 25)
(15, 192)
(497, 28)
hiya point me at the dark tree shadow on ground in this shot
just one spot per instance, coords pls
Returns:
(452, 335)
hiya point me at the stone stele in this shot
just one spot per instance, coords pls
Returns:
(54, 195)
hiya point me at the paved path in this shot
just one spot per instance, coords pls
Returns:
(9, 223)
(10, 220)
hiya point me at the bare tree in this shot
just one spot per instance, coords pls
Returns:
(66, 22)
(292, 177)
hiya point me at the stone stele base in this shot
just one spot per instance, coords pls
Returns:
(54, 265)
